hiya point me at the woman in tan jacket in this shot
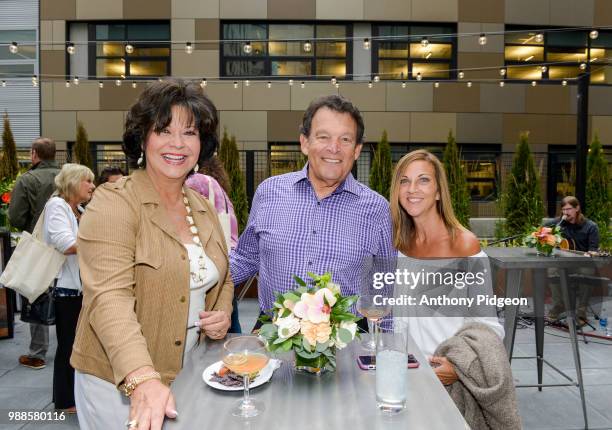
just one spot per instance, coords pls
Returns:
(153, 263)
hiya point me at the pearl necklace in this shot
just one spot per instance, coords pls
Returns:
(199, 276)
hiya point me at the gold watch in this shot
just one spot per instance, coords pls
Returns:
(129, 385)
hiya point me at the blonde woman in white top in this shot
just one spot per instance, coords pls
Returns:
(425, 227)
(74, 186)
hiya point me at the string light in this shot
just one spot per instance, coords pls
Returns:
(307, 46)
(290, 82)
(469, 84)
(302, 84)
(188, 48)
(269, 85)
(129, 48)
(235, 84)
(3, 84)
(437, 84)
(70, 49)
(370, 84)
(134, 85)
(539, 38)
(502, 84)
(366, 43)
(564, 82)
(118, 82)
(534, 83)
(67, 84)
(203, 83)
(482, 40)
(247, 83)
(333, 80)
(34, 81)
(403, 84)
(376, 78)
(337, 84)
(544, 69)
(247, 48)
(461, 74)
(583, 66)
(502, 71)
(75, 80)
(100, 84)
(594, 34)
(418, 76)
(424, 42)
(13, 48)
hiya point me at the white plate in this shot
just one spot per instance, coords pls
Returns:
(264, 375)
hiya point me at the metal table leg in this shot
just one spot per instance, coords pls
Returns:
(539, 282)
(571, 322)
(513, 290)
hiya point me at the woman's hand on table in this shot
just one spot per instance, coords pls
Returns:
(150, 402)
(444, 370)
(215, 324)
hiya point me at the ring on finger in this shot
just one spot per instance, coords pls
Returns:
(131, 424)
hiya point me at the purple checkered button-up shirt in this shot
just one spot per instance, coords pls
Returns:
(291, 232)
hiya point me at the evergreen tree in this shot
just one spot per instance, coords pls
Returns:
(382, 168)
(82, 152)
(9, 167)
(522, 200)
(598, 197)
(229, 156)
(457, 182)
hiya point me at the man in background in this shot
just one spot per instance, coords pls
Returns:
(31, 192)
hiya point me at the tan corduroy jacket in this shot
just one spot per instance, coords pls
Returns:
(135, 274)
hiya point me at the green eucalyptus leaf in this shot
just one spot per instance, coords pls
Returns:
(299, 281)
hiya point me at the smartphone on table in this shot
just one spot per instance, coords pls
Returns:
(368, 362)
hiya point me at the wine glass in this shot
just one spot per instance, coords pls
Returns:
(370, 306)
(245, 355)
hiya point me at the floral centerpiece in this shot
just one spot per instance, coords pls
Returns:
(544, 239)
(6, 187)
(314, 321)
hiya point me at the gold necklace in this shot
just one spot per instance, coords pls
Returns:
(199, 276)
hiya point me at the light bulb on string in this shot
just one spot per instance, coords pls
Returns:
(67, 84)
(34, 81)
(129, 48)
(502, 84)
(188, 48)
(203, 83)
(482, 40)
(370, 84)
(534, 83)
(247, 48)
(75, 81)
(564, 82)
(503, 71)
(594, 34)
(461, 74)
(539, 38)
(302, 84)
(235, 84)
(469, 84)
(269, 84)
(583, 66)
(376, 78)
(3, 84)
(337, 84)
(544, 69)
(247, 83)
(333, 80)
(437, 84)
(70, 49)
(419, 76)
(307, 46)
(100, 84)
(134, 85)
(424, 42)
(403, 84)
(13, 48)
(290, 82)
(118, 82)
(366, 43)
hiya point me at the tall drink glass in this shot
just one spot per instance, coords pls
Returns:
(392, 370)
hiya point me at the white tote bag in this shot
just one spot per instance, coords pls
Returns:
(224, 218)
(33, 265)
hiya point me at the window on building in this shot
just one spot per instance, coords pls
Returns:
(286, 50)
(23, 63)
(108, 58)
(566, 49)
(410, 50)
(481, 168)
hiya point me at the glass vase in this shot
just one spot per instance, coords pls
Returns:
(313, 366)
(544, 249)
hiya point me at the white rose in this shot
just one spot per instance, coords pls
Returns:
(287, 326)
(350, 326)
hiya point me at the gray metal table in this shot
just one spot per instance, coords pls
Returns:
(343, 399)
(515, 260)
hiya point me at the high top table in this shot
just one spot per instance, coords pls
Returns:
(517, 259)
(343, 399)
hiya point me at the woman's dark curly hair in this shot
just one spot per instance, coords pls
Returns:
(152, 112)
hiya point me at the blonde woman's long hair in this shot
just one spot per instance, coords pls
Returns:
(403, 224)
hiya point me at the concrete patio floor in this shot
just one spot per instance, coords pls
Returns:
(555, 408)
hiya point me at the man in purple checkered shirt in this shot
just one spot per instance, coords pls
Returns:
(320, 218)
